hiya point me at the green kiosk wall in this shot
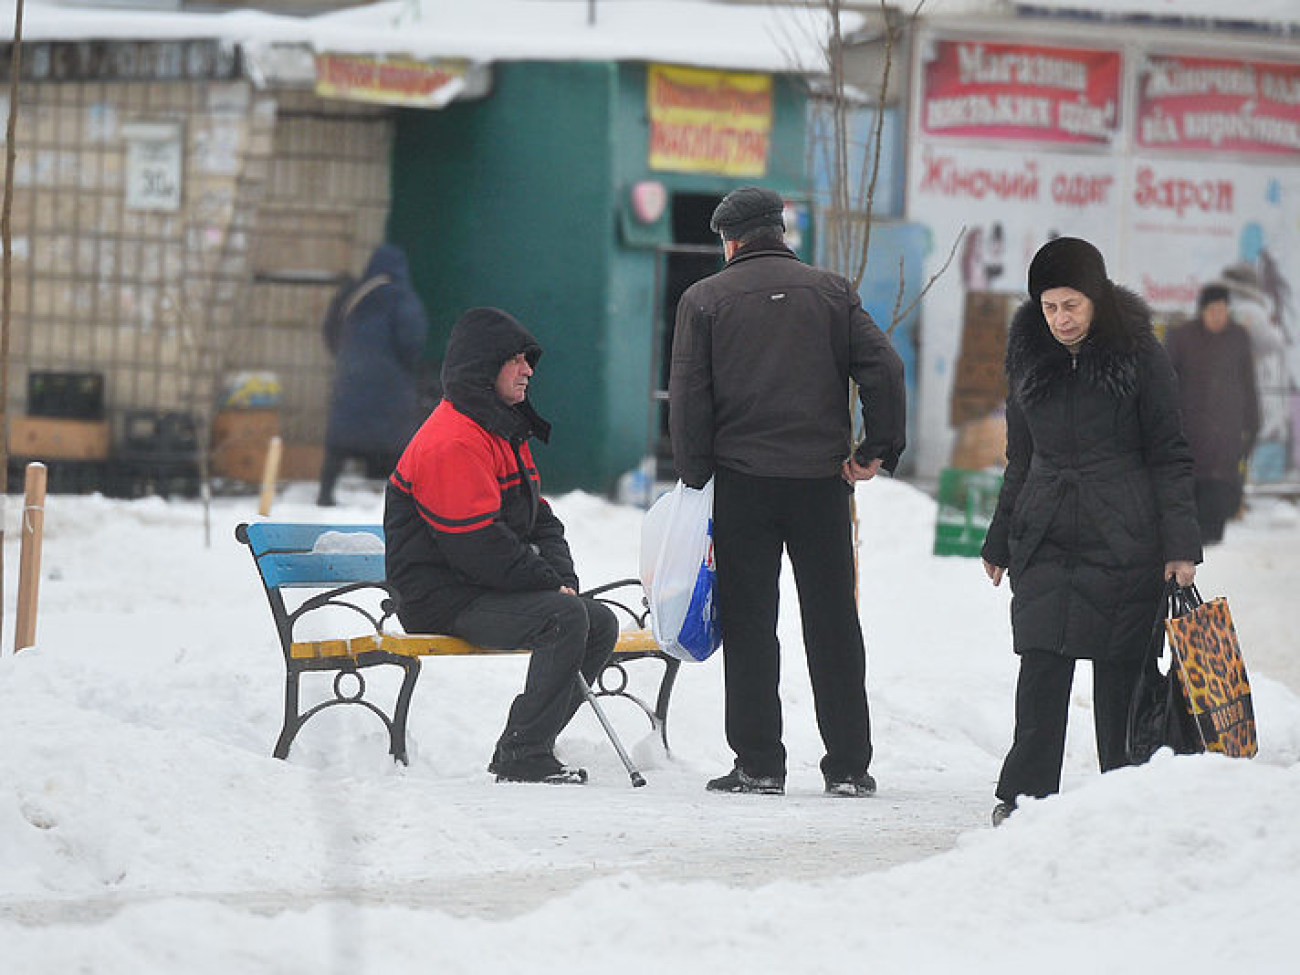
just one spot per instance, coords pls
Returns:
(520, 200)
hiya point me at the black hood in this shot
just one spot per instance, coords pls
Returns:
(391, 260)
(1108, 358)
(481, 343)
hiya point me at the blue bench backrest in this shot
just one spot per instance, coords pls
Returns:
(285, 556)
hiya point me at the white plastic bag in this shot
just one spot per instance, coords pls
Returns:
(677, 572)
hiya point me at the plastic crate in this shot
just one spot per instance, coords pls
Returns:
(61, 477)
(154, 434)
(68, 395)
(967, 500)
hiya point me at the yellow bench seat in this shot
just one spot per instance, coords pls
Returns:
(630, 642)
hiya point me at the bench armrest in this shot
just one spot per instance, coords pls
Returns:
(334, 597)
(641, 618)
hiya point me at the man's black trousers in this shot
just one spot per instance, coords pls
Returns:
(755, 519)
(566, 634)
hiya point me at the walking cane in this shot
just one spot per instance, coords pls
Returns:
(638, 779)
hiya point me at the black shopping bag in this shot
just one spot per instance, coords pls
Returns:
(1159, 715)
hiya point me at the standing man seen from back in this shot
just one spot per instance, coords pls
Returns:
(762, 356)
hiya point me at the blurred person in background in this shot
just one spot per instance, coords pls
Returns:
(1219, 398)
(377, 331)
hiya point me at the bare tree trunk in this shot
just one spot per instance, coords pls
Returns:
(852, 198)
(6, 289)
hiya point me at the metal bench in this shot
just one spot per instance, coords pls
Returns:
(341, 572)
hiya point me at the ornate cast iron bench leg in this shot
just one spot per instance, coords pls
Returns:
(292, 720)
(397, 732)
(671, 666)
(396, 725)
(613, 681)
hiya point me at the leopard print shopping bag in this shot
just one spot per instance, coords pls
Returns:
(1208, 663)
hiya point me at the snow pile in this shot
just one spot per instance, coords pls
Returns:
(144, 827)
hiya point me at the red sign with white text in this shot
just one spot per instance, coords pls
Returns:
(1250, 107)
(1021, 93)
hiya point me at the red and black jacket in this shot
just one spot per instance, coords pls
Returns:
(463, 513)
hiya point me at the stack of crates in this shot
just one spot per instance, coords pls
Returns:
(157, 453)
(64, 429)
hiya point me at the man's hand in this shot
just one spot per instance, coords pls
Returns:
(994, 572)
(853, 471)
(1184, 573)
(568, 590)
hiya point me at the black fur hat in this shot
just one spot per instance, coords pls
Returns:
(1069, 262)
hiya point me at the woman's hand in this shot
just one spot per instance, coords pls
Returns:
(1182, 572)
(994, 572)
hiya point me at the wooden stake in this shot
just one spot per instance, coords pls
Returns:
(29, 560)
(6, 270)
(270, 474)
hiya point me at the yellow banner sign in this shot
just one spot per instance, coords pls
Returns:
(389, 81)
(705, 121)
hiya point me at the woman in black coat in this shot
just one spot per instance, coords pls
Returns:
(1097, 506)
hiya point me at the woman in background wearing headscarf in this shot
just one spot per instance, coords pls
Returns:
(1097, 506)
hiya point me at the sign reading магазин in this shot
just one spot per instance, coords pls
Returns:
(704, 121)
(1219, 104)
(1020, 92)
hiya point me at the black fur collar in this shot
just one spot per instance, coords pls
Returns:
(1108, 359)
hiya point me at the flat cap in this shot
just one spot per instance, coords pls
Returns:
(746, 208)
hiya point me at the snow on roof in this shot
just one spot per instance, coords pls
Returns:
(1252, 11)
(757, 37)
(1260, 11)
(939, 8)
(745, 37)
(45, 20)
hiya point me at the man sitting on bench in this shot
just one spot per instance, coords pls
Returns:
(474, 551)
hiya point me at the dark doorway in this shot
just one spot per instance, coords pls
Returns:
(695, 253)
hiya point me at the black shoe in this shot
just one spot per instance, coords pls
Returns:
(326, 501)
(537, 768)
(1002, 812)
(852, 786)
(738, 780)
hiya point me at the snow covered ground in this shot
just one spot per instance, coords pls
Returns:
(145, 829)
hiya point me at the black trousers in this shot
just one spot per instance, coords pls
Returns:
(1033, 766)
(565, 634)
(754, 520)
(379, 464)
